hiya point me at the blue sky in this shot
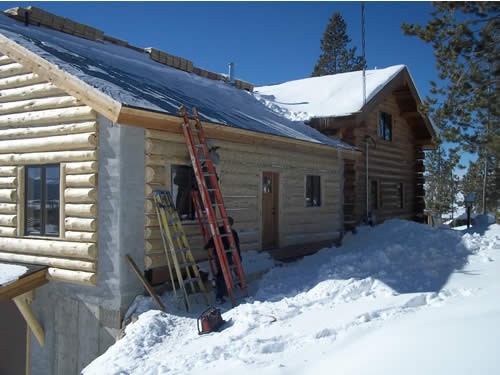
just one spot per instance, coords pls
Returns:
(270, 42)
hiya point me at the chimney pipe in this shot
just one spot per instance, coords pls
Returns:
(231, 73)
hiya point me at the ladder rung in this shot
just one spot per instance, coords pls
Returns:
(187, 264)
(191, 279)
(181, 249)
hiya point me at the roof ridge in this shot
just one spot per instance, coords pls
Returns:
(40, 17)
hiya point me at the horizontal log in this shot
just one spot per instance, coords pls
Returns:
(8, 208)
(8, 231)
(4, 60)
(80, 210)
(149, 188)
(153, 246)
(76, 277)
(81, 180)
(8, 171)
(80, 195)
(55, 143)
(152, 233)
(71, 264)
(8, 182)
(80, 236)
(46, 247)
(48, 117)
(153, 261)
(165, 136)
(11, 69)
(38, 90)
(47, 157)
(155, 175)
(8, 195)
(44, 131)
(83, 167)
(8, 220)
(80, 224)
(39, 104)
(20, 80)
(151, 220)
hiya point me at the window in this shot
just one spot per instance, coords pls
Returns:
(42, 200)
(401, 195)
(374, 196)
(313, 191)
(183, 182)
(385, 126)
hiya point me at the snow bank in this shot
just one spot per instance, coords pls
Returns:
(397, 298)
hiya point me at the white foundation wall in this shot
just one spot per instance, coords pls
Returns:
(81, 322)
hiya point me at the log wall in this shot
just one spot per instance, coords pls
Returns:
(41, 124)
(390, 163)
(240, 171)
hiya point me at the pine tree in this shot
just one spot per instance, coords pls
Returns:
(336, 57)
(441, 184)
(466, 41)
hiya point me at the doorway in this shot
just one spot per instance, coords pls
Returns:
(270, 210)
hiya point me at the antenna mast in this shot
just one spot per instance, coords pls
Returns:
(363, 49)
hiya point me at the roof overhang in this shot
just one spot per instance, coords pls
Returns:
(35, 277)
(408, 98)
(169, 123)
(118, 113)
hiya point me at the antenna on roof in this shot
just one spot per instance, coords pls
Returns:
(363, 48)
(231, 73)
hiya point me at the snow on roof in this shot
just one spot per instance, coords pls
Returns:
(133, 79)
(325, 96)
(11, 272)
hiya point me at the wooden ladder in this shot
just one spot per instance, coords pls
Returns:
(177, 249)
(213, 204)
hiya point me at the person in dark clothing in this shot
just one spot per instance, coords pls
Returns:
(220, 284)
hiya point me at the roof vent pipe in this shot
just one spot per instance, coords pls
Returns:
(231, 73)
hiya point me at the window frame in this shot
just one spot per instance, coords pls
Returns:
(383, 125)
(308, 200)
(43, 201)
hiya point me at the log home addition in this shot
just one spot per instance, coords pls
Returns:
(388, 128)
(89, 127)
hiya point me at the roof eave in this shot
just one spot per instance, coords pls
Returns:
(170, 123)
(87, 94)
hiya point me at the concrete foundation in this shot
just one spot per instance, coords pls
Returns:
(81, 322)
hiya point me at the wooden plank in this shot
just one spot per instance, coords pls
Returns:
(23, 285)
(145, 283)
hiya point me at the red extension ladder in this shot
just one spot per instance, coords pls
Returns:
(211, 197)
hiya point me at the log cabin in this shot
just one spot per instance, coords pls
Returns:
(89, 128)
(383, 120)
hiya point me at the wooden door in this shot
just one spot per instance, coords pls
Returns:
(270, 209)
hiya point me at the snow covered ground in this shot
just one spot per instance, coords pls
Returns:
(399, 298)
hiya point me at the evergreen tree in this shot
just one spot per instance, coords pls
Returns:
(336, 57)
(441, 185)
(473, 181)
(466, 41)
